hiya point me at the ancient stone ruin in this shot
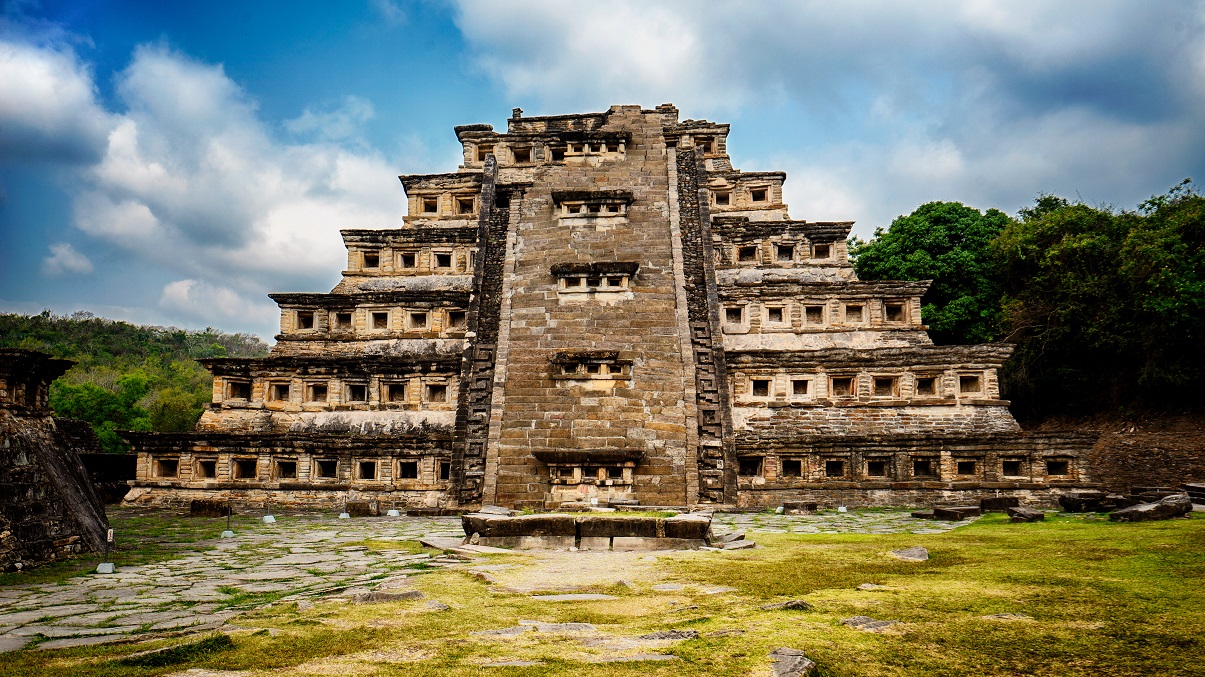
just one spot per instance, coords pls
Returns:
(597, 309)
(48, 507)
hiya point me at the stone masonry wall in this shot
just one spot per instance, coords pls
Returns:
(48, 509)
(645, 412)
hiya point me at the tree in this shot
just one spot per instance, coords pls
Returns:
(1107, 307)
(107, 410)
(950, 244)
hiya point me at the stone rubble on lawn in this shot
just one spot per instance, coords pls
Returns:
(913, 554)
(791, 663)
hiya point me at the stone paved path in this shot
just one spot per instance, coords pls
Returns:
(297, 558)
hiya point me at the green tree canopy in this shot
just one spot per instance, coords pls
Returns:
(1107, 307)
(950, 244)
(128, 377)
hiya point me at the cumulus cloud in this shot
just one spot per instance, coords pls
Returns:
(48, 108)
(883, 105)
(65, 259)
(389, 11)
(343, 122)
(191, 180)
(203, 302)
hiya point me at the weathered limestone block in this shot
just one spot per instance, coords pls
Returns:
(610, 527)
(1023, 514)
(1082, 501)
(362, 509)
(998, 503)
(630, 544)
(688, 527)
(1171, 506)
(500, 526)
(208, 508)
(791, 663)
(956, 512)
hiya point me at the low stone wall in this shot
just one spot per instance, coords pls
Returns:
(311, 497)
(1038, 497)
(1164, 452)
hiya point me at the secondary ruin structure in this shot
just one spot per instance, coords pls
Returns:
(48, 507)
(598, 308)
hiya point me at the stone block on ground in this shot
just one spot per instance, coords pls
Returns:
(630, 544)
(529, 542)
(729, 537)
(954, 513)
(799, 507)
(208, 508)
(923, 514)
(790, 605)
(1024, 514)
(620, 525)
(362, 509)
(1195, 491)
(913, 554)
(1176, 505)
(998, 503)
(499, 526)
(739, 545)
(1082, 501)
(791, 663)
(687, 527)
(671, 634)
(495, 510)
(594, 543)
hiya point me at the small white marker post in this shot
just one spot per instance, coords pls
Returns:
(344, 515)
(106, 567)
(393, 512)
(228, 533)
(269, 519)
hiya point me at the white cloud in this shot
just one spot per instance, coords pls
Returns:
(879, 106)
(390, 12)
(48, 109)
(193, 182)
(65, 259)
(344, 122)
(203, 302)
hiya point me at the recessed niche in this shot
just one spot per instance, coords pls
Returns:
(326, 468)
(749, 466)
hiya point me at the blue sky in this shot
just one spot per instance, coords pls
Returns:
(172, 163)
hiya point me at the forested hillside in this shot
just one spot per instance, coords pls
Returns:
(128, 377)
(1106, 306)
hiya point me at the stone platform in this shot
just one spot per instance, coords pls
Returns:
(588, 532)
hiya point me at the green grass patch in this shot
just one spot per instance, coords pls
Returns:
(183, 653)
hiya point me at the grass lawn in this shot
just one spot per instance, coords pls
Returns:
(1089, 597)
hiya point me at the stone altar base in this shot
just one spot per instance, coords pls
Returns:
(560, 531)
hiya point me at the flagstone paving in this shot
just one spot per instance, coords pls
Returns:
(298, 558)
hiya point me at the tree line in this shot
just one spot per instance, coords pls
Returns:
(1106, 306)
(126, 377)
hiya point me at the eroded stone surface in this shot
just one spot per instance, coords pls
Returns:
(791, 663)
(913, 554)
